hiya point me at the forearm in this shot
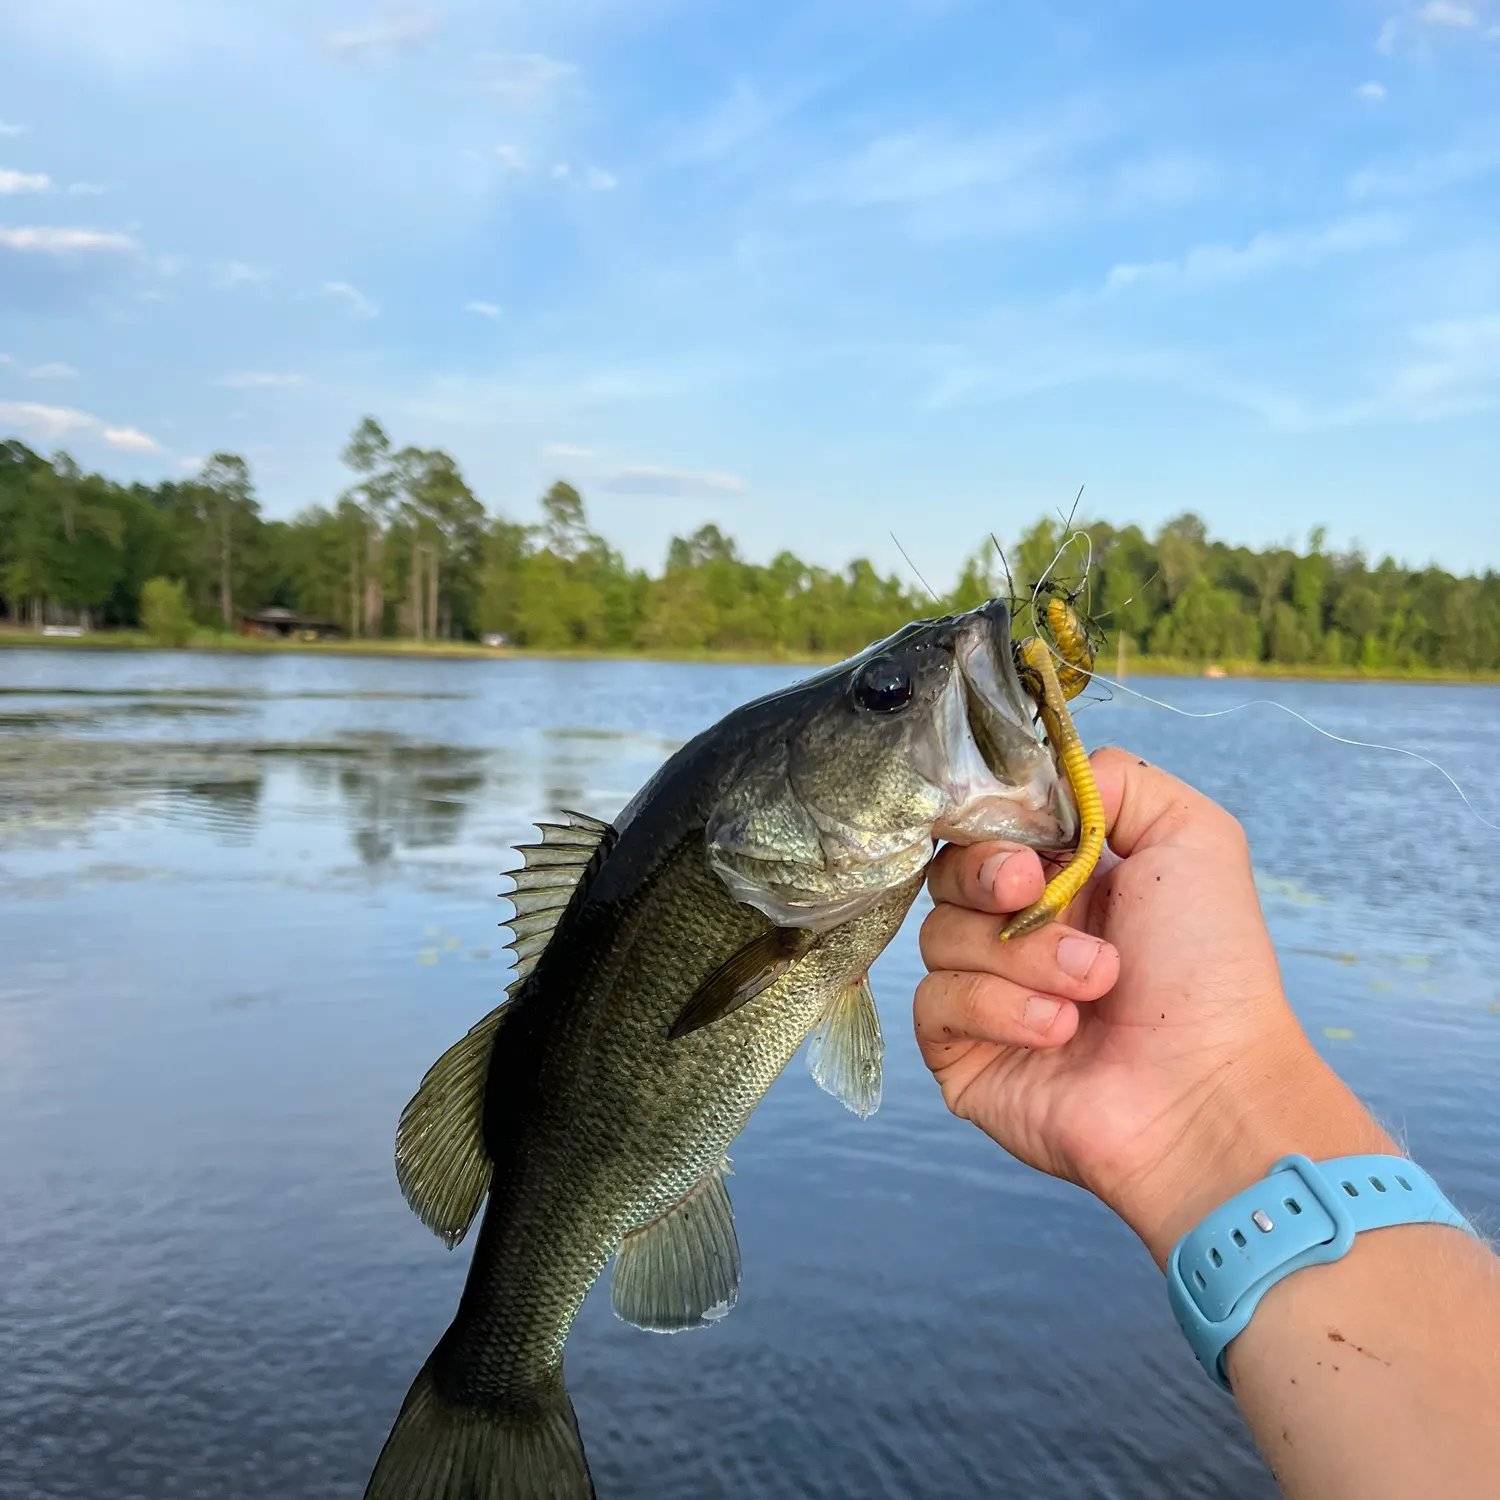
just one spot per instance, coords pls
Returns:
(1361, 1378)
(1378, 1376)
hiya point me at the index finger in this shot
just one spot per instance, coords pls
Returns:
(993, 877)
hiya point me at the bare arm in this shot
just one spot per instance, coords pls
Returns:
(1146, 1051)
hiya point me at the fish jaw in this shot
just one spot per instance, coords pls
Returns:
(1000, 778)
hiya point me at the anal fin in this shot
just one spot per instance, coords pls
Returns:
(845, 1051)
(682, 1270)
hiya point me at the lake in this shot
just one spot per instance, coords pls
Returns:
(245, 901)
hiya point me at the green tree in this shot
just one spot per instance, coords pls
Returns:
(165, 613)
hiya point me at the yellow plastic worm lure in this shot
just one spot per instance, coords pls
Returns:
(1073, 645)
(1036, 660)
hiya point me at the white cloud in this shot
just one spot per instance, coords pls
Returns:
(190, 465)
(85, 190)
(357, 300)
(130, 440)
(398, 30)
(53, 422)
(11, 129)
(235, 273)
(1411, 177)
(1442, 13)
(260, 380)
(646, 479)
(568, 450)
(1300, 249)
(1371, 93)
(1385, 43)
(599, 180)
(56, 370)
(483, 309)
(5, 359)
(562, 171)
(523, 78)
(12, 181)
(56, 241)
(50, 422)
(511, 158)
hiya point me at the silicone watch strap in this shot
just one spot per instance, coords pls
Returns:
(1304, 1213)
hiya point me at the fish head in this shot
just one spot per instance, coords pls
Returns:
(848, 780)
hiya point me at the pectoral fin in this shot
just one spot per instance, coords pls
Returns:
(756, 967)
(845, 1050)
(682, 1270)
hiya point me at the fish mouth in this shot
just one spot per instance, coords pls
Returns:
(1002, 780)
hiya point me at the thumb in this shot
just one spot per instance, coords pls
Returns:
(1145, 806)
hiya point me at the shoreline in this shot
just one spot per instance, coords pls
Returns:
(1136, 666)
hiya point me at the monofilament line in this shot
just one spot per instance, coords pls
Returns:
(1328, 734)
(910, 564)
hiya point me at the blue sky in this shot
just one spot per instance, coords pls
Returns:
(812, 269)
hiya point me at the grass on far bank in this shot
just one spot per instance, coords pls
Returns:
(1136, 665)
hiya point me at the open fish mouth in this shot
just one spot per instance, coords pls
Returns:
(1002, 780)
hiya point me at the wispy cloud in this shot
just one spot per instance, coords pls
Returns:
(10, 130)
(1443, 13)
(483, 309)
(510, 158)
(567, 450)
(358, 302)
(236, 273)
(1389, 35)
(260, 380)
(1299, 249)
(594, 178)
(1413, 176)
(12, 181)
(680, 484)
(396, 30)
(85, 190)
(56, 241)
(1371, 93)
(130, 440)
(519, 79)
(51, 423)
(56, 370)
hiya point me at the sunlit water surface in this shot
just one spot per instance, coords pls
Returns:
(244, 902)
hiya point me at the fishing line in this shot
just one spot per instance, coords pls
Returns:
(1219, 713)
(910, 564)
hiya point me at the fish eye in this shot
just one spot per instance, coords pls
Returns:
(883, 687)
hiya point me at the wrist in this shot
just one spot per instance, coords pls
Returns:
(1265, 1105)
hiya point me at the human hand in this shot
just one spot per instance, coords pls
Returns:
(1142, 1046)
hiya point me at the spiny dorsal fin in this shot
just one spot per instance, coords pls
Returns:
(682, 1270)
(743, 975)
(440, 1157)
(845, 1051)
(545, 884)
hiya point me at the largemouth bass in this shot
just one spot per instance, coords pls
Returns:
(668, 969)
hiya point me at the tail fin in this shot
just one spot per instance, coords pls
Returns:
(441, 1452)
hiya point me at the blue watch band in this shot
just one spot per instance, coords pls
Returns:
(1304, 1214)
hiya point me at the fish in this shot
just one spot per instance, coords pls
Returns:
(668, 967)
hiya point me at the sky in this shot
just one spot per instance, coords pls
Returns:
(814, 270)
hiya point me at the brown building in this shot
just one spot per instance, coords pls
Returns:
(286, 625)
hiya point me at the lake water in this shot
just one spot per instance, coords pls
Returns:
(246, 901)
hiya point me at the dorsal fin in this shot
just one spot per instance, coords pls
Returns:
(545, 883)
(440, 1157)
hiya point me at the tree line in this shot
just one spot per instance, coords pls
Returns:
(408, 550)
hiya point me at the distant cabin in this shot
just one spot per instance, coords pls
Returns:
(287, 625)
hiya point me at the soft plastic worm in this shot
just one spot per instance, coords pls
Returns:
(1036, 656)
(1073, 645)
